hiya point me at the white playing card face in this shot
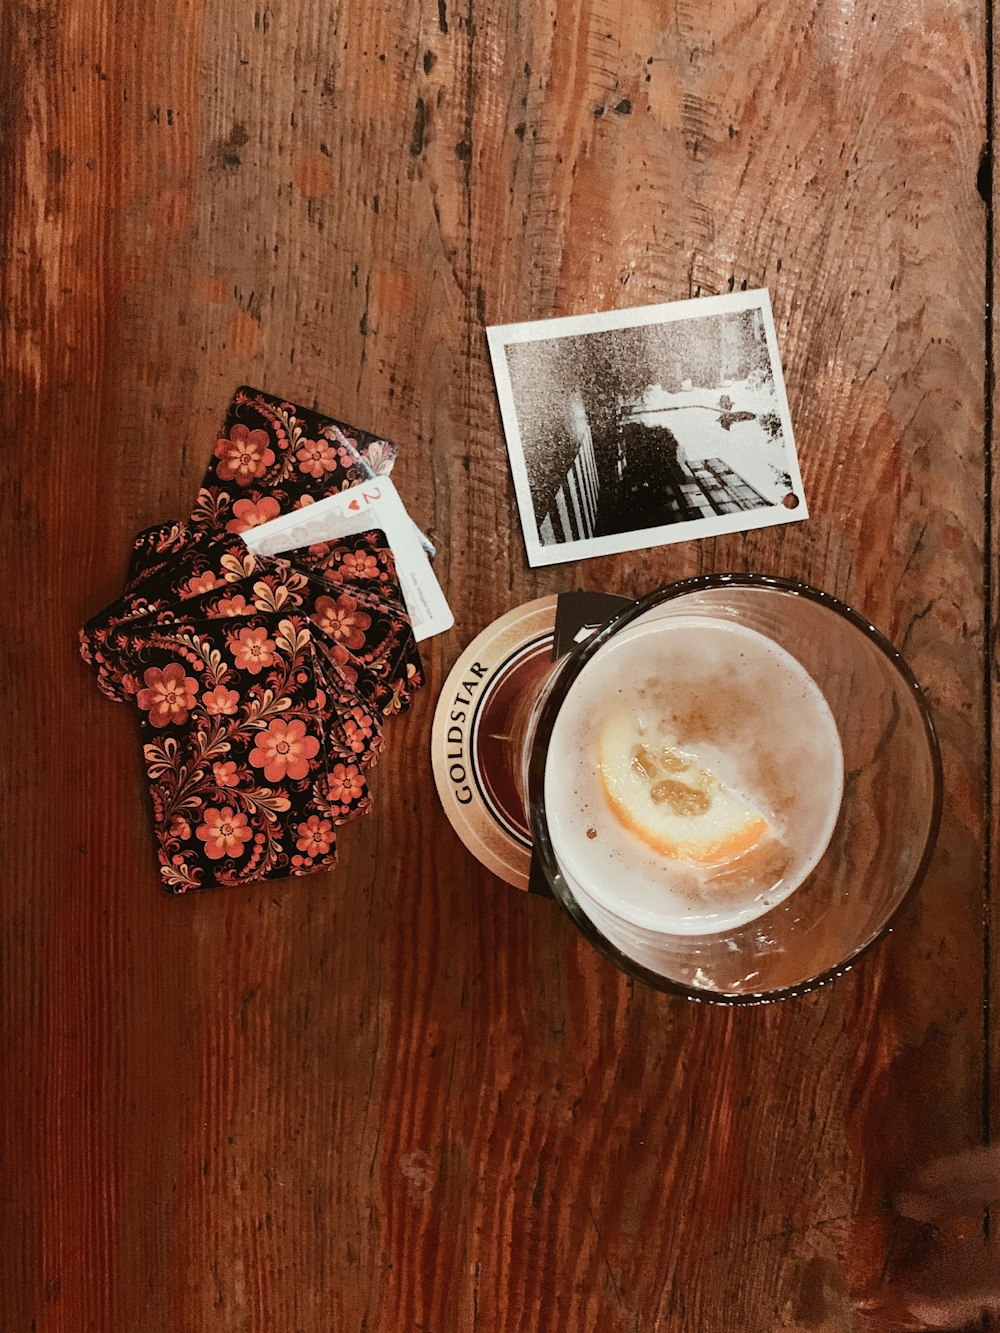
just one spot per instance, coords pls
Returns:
(372, 504)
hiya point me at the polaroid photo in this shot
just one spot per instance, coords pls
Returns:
(635, 428)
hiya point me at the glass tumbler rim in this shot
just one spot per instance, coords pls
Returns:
(571, 667)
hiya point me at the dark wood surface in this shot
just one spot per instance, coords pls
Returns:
(404, 1096)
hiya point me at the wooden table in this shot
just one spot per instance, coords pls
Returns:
(404, 1096)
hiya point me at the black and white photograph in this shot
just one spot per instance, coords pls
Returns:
(635, 428)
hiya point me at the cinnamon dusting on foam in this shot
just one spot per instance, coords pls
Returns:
(718, 712)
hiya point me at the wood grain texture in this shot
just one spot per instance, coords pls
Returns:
(403, 1096)
(990, 185)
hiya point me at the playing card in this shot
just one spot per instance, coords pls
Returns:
(366, 644)
(234, 738)
(360, 624)
(253, 637)
(270, 456)
(261, 682)
(372, 503)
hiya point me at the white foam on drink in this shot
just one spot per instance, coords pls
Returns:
(746, 710)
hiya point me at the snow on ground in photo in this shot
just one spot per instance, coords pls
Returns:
(746, 446)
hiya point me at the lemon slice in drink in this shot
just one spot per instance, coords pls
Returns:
(670, 800)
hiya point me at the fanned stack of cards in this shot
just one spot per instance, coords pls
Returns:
(261, 681)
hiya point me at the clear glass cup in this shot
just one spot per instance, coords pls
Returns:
(884, 833)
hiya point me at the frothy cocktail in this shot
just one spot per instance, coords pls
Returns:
(693, 779)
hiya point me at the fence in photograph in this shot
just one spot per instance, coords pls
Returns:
(573, 513)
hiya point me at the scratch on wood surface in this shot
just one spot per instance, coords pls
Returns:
(419, 128)
(227, 153)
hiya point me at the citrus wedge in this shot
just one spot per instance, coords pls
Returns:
(670, 800)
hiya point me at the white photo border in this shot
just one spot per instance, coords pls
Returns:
(500, 336)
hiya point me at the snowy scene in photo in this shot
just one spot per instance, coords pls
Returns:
(635, 428)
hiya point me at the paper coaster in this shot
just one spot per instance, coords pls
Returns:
(483, 704)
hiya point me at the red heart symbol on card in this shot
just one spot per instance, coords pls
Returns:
(354, 505)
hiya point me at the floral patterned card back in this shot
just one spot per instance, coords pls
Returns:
(261, 682)
(234, 730)
(216, 575)
(367, 644)
(271, 456)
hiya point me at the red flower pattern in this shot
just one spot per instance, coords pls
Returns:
(225, 774)
(249, 514)
(253, 650)
(257, 689)
(244, 455)
(346, 783)
(359, 565)
(236, 605)
(342, 619)
(342, 660)
(224, 833)
(202, 583)
(169, 695)
(284, 750)
(316, 836)
(220, 702)
(316, 458)
(358, 732)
